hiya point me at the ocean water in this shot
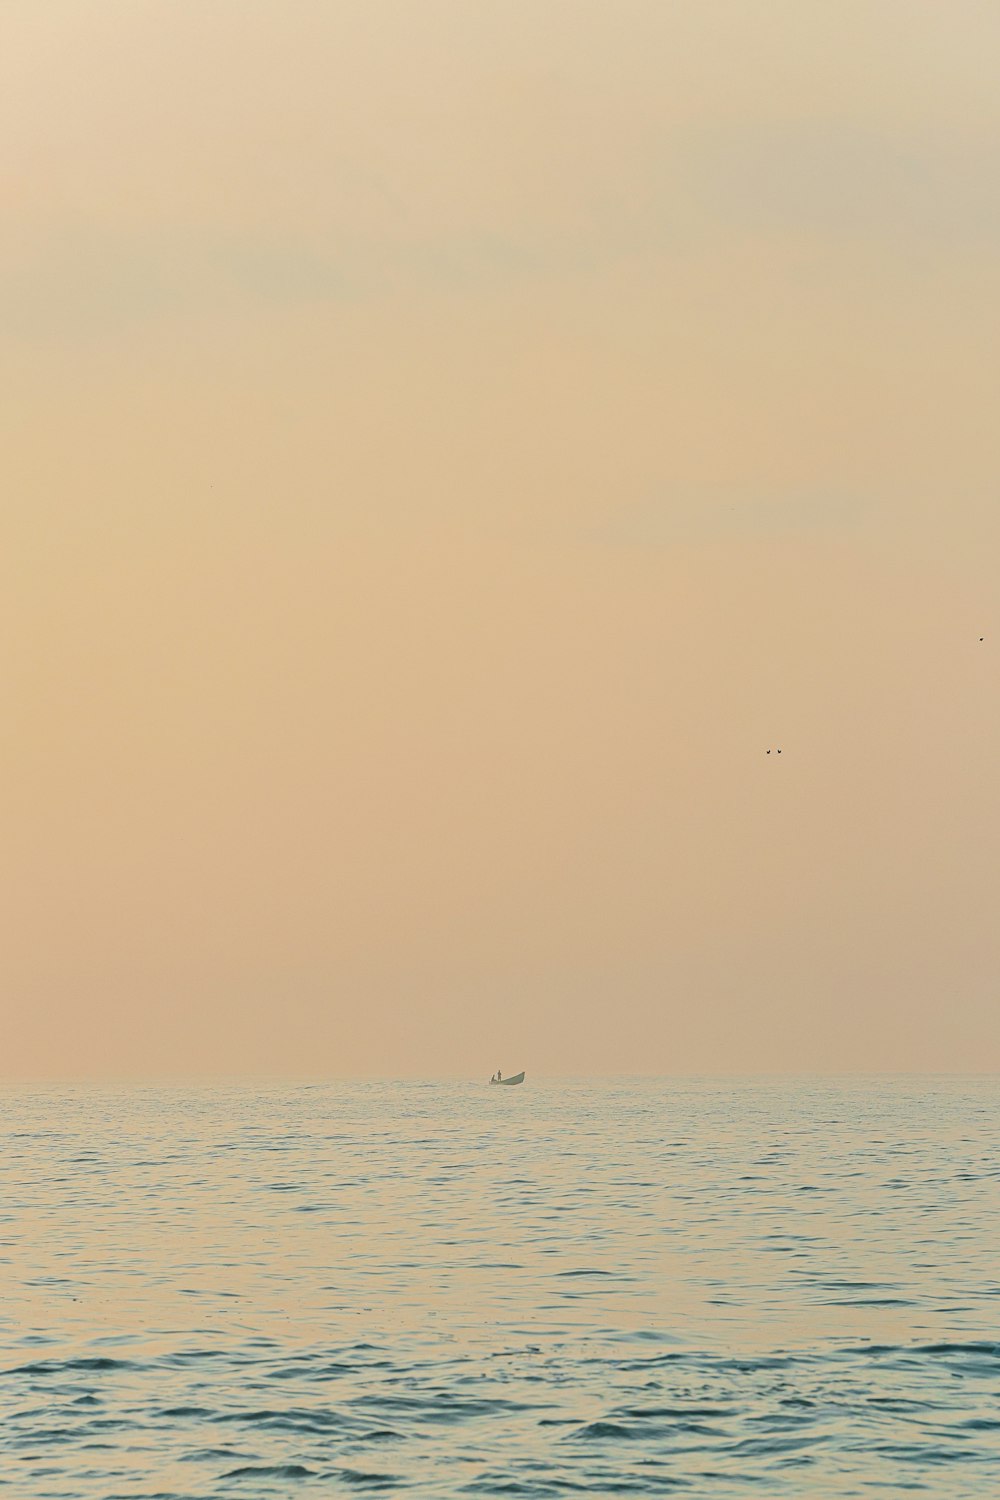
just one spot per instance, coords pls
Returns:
(637, 1287)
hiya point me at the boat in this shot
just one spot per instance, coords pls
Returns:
(514, 1078)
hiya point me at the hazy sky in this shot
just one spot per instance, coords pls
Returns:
(444, 445)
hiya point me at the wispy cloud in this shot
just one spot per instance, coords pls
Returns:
(724, 514)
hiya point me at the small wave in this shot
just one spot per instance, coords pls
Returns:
(443, 1408)
(98, 1363)
(932, 1453)
(981, 1347)
(487, 1485)
(303, 1419)
(758, 1363)
(604, 1431)
(867, 1302)
(212, 1455)
(685, 1412)
(307, 1368)
(184, 1357)
(773, 1445)
(977, 1349)
(271, 1471)
(362, 1479)
(587, 1271)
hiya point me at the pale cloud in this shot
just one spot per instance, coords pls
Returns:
(712, 514)
(173, 157)
(834, 180)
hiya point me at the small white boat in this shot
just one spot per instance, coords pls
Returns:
(514, 1078)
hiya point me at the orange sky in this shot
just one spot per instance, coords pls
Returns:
(444, 447)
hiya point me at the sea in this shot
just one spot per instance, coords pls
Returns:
(704, 1287)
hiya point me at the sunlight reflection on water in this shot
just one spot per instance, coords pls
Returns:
(620, 1287)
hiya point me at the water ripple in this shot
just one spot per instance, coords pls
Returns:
(632, 1288)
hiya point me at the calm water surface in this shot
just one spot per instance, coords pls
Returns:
(622, 1288)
